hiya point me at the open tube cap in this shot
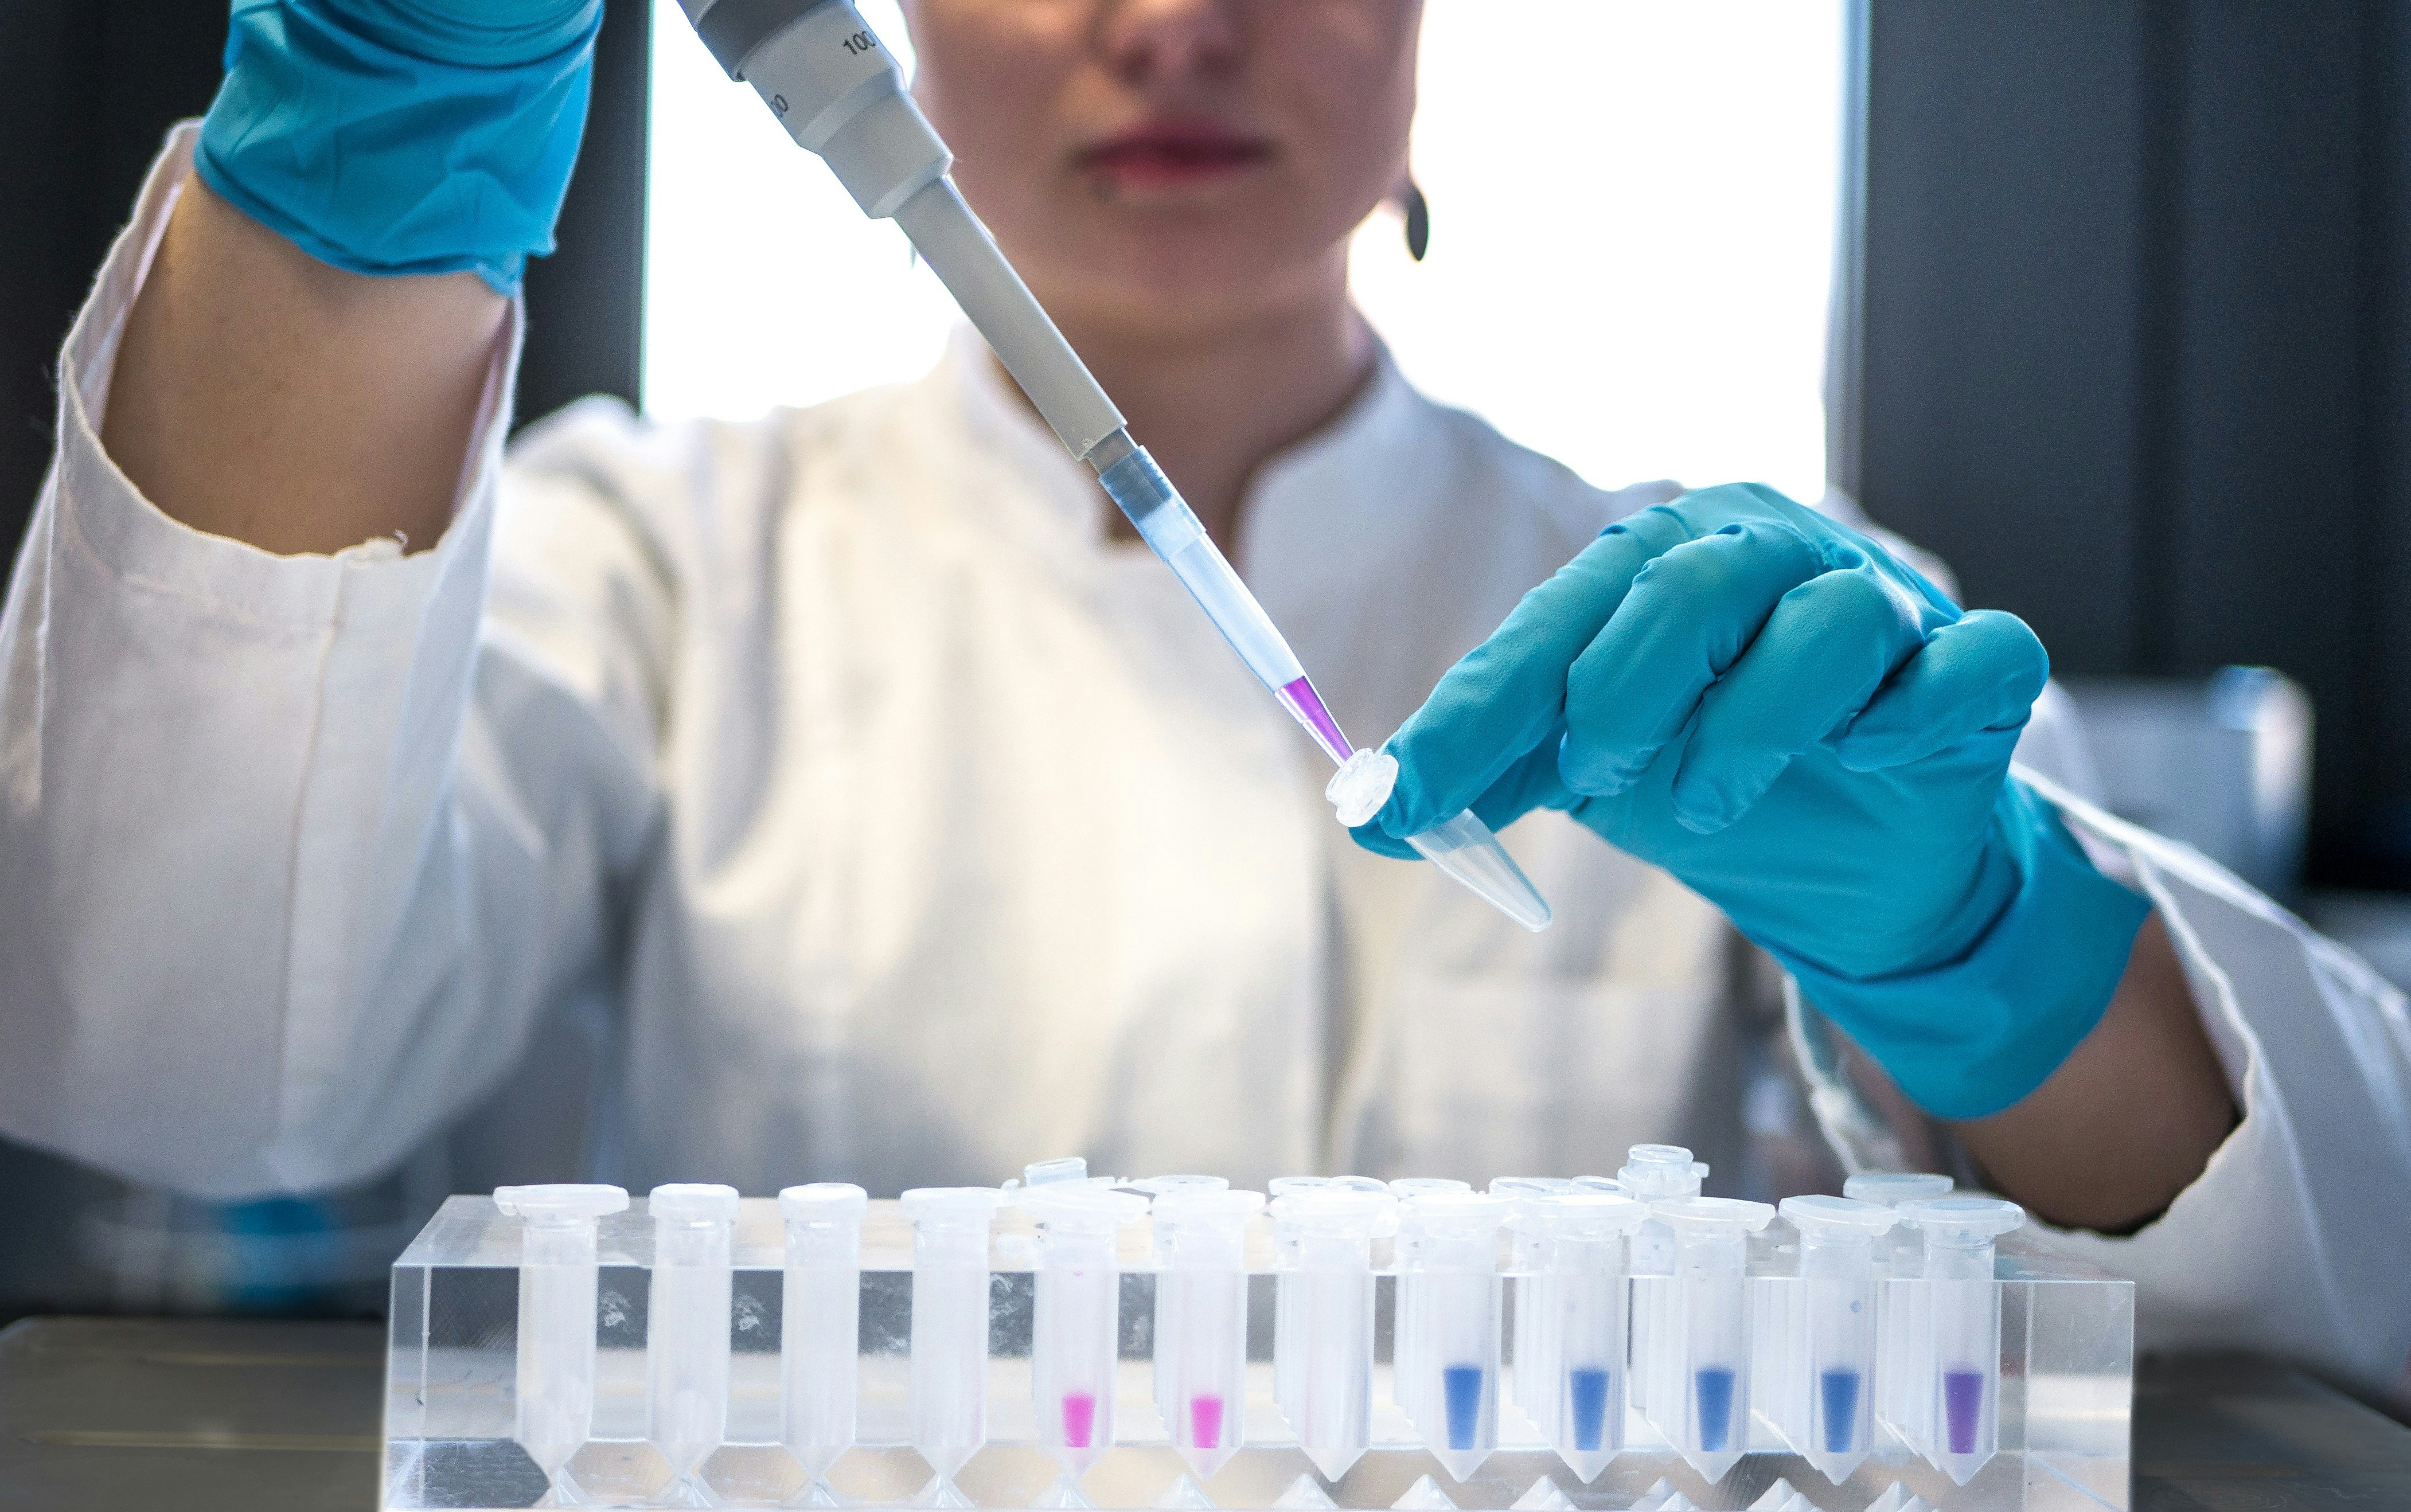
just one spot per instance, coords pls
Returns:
(1661, 1170)
(1282, 1186)
(568, 1203)
(1893, 1187)
(1079, 1207)
(1823, 1219)
(694, 1202)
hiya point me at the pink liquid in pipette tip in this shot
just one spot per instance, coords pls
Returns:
(1304, 702)
(1205, 1422)
(1079, 1419)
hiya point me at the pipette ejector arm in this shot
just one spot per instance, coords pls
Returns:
(835, 87)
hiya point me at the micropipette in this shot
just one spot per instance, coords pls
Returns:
(1447, 1373)
(820, 1322)
(1573, 1381)
(1963, 1371)
(835, 90)
(950, 1281)
(1699, 1392)
(1201, 1321)
(1328, 1266)
(1825, 1402)
(1075, 1324)
(686, 1328)
(556, 1326)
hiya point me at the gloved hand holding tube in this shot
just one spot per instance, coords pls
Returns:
(1811, 737)
(397, 137)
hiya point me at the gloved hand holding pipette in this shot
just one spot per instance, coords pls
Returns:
(1808, 734)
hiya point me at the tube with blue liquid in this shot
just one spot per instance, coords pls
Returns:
(1447, 1375)
(1826, 1407)
(1699, 1392)
(1571, 1374)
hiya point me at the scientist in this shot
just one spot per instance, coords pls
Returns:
(907, 820)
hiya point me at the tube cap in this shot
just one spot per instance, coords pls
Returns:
(1962, 1220)
(694, 1202)
(1711, 1216)
(1837, 1218)
(825, 1203)
(1893, 1187)
(568, 1203)
(1582, 1214)
(1658, 1171)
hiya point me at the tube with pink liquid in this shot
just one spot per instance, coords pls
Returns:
(1201, 1322)
(1076, 1327)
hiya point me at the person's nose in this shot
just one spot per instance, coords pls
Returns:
(1153, 40)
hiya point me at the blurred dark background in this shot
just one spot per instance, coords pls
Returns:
(2132, 351)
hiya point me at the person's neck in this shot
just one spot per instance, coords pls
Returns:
(1213, 406)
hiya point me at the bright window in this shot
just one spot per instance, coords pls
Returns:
(1633, 233)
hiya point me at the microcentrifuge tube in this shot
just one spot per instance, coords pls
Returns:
(1449, 1370)
(1573, 1384)
(556, 1328)
(1330, 1272)
(1898, 1384)
(1289, 1348)
(1201, 1322)
(820, 1320)
(1463, 847)
(1075, 1325)
(686, 1330)
(1526, 1247)
(1963, 1367)
(1699, 1388)
(1406, 1317)
(1825, 1406)
(1158, 1187)
(950, 1307)
(1654, 1173)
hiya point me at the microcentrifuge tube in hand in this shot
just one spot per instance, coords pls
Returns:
(686, 1329)
(1076, 1326)
(820, 1320)
(1699, 1392)
(1825, 1404)
(1573, 1383)
(1201, 1321)
(1451, 1366)
(950, 1307)
(1331, 1275)
(1461, 847)
(1963, 1371)
(556, 1326)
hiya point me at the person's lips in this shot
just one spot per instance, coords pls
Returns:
(1169, 153)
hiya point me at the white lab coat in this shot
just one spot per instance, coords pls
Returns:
(903, 827)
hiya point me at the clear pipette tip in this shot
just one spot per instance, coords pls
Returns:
(1461, 847)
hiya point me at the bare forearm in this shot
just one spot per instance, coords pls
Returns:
(266, 397)
(2128, 1120)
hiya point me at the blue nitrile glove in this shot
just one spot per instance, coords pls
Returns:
(1808, 735)
(403, 135)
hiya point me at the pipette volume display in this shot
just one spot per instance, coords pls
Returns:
(822, 71)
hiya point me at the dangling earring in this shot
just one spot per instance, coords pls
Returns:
(1418, 214)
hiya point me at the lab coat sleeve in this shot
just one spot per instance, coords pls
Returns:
(284, 879)
(2290, 1241)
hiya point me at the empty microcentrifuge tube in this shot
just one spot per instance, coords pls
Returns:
(556, 1328)
(820, 1320)
(1405, 1318)
(1289, 1359)
(1075, 1325)
(1825, 1406)
(1573, 1383)
(1201, 1321)
(1698, 1390)
(1447, 1372)
(1463, 847)
(950, 1282)
(686, 1329)
(1653, 1174)
(1963, 1367)
(1901, 1252)
(1328, 1268)
(1526, 1246)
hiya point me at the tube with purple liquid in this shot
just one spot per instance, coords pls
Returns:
(1965, 1308)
